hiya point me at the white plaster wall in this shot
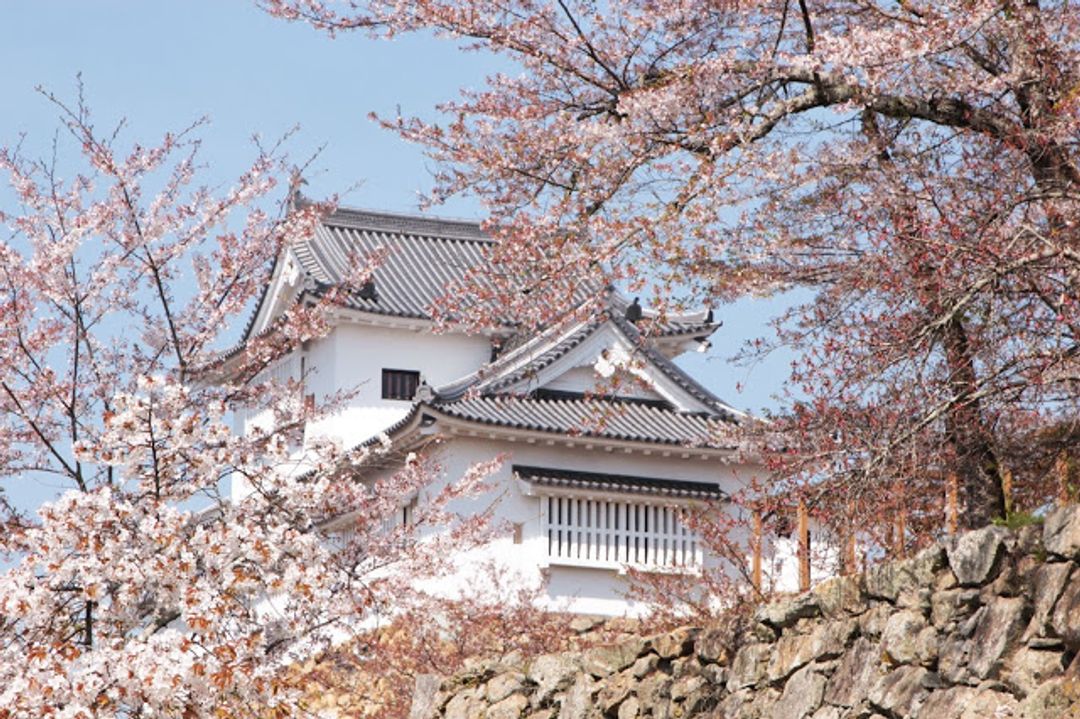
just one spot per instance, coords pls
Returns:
(352, 357)
(356, 356)
(585, 379)
(780, 559)
(583, 590)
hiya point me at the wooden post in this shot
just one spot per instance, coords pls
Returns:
(804, 547)
(851, 557)
(899, 532)
(756, 567)
(850, 546)
(952, 511)
(1007, 489)
(1061, 471)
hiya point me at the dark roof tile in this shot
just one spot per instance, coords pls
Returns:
(592, 417)
(423, 256)
(569, 479)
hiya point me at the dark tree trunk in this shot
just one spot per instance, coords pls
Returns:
(976, 465)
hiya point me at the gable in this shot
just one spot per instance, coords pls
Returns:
(600, 359)
(587, 380)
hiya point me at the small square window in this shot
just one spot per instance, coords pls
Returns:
(399, 384)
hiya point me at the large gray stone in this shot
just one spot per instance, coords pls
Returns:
(827, 712)
(946, 703)
(713, 646)
(732, 706)
(1055, 699)
(998, 629)
(975, 557)
(748, 666)
(761, 705)
(952, 658)
(630, 709)
(609, 659)
(802, 695)
(900, 691)
(947, 607)
(503, 685)
(826, 641)
(872, 622)
(1065, 620)
(677, 643)
(900, 642)
(989, 703)
(1061, 532)
(511, 707)
(552, 673)
(683, 688)
(578, 702)
(840, 596)
(783, 613)
(1028, 668)
(644, 665)
(926, 647)
(464, 705)
(654, 690)
(857, 674)
(614, 690)
(692, 695)
(1049, 581)
(901, 581)
(686, 666)
(426, 697)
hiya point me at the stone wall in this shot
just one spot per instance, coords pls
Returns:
(984, 625)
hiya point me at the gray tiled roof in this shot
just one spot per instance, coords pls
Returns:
(569, 479)
(676, 373)
(422, 257)
(524, 360)
(591, 417)
(503, 374)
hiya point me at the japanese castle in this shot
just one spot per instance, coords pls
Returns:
(593, 476)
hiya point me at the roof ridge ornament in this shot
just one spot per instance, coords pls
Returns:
(633, 311)
(296, 197)
(424, 392)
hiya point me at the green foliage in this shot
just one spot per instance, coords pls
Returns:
(1016, 520)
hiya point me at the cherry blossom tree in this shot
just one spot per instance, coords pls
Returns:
(142, 590)
(910, 168)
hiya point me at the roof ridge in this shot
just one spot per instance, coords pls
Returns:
(676, 373)
(613, 401)
(505, 368)
(431, 227)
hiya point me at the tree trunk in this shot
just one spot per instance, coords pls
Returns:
(976, 465)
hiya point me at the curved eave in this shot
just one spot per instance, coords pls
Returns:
(676, 374)
(589, 440)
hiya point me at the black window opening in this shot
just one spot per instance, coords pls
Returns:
(399, 383)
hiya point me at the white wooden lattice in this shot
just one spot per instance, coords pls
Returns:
(283, 370)
(614, 533)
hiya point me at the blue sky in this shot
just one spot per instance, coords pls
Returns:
(161, 65)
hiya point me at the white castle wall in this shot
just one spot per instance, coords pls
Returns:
(577, 589)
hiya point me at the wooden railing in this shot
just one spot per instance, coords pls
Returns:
(897, 537)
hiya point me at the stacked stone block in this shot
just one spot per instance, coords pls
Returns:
(985, 625)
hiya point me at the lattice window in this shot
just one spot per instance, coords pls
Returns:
(284, 370)
(399, 383)
(614, 533)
